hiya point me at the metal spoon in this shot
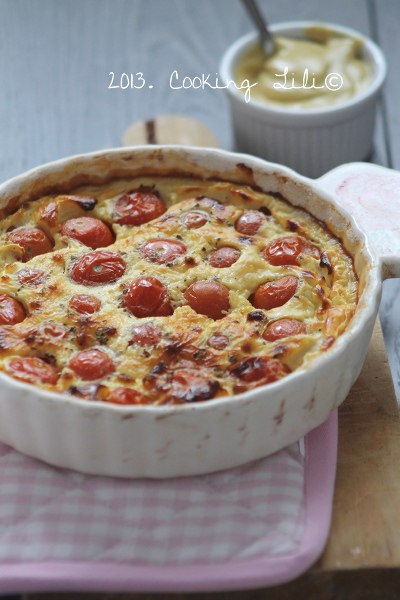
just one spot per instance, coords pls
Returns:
(262, 26)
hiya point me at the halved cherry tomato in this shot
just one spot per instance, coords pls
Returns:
(285, 250)
(274, 293)
(96, 268)
(91, 364)
(249, 222)
(224, 257)
(32, 369)
(91, 232)
(195, 219)
(123, 395)
(219, 341)
(34, 241)
(189, 385)
(256, 371)
(11, 311)
(283, 328)
(162, 251)
(209, 298)
(146, 335)
(147, 297)
(31, 277)
(138, 208)
(84, 304)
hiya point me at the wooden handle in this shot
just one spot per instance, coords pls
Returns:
(170, 129)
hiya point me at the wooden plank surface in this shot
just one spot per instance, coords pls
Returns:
(365, 528)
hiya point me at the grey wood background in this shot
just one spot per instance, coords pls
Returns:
(56, 56)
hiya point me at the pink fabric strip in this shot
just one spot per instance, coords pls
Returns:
(319, 476)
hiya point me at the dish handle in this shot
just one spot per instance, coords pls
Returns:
(371, 194)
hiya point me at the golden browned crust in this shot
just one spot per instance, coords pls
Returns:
(324, 302)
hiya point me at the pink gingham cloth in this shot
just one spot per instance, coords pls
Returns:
(259, 524)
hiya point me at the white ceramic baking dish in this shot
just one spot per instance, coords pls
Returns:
(166, 441)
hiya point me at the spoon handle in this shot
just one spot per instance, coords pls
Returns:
(261, 24)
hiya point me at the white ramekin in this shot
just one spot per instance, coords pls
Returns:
(309, 141)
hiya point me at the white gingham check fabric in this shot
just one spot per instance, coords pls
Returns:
(47, 513)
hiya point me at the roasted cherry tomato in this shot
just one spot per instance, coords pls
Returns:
(31, 277)
(189, 385)
(285, 250)
(162, 251)
(96, 268)
(195, 219)
(258, 370)
(283, 328)
(32, 369)
(84, 304)
(249, 222)
(146, 335)
(219, 341)
(147, 297)
(275, 293)
(224, 257)
(91, 232)
(123, 395)
(91, 364)
(34, 241)
(209, 298)
(11, 311)
(138, 208)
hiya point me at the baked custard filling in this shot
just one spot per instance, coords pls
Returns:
(163, 290)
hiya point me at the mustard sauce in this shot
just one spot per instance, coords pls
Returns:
(325, 69)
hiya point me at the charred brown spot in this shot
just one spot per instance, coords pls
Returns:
(30, 337)
(243, 167)
(243, 195)
(157, 370)
(35, 304)
(123, 377)
(174, 348)
(256, 315)
(325, 262)
(265, 211)
(87, 203)
(246, 347)
(293, 225)
(245, 240)
(103, 334)
(190, 261)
